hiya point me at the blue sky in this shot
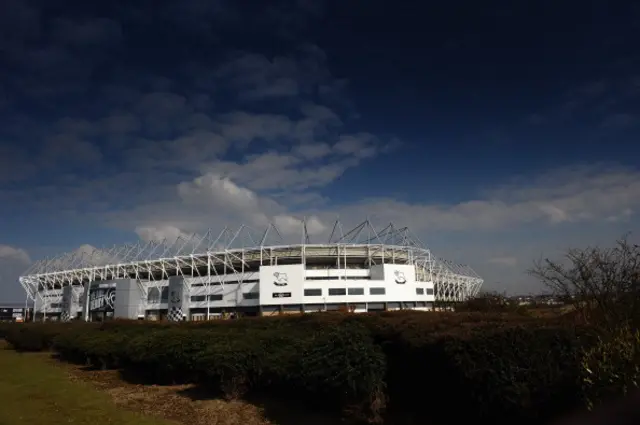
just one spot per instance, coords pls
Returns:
(498, 132)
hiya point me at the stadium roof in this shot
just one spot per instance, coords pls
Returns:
(15, 305)
(229, 240)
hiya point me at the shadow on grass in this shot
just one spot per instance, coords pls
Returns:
(82, 365)
(283, 410)
(132, 377)
(278, 410)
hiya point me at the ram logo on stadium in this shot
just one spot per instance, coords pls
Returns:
(281, 279)
(175, 297)
(400, 278)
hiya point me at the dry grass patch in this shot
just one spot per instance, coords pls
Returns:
(32, 391)
(169, 402)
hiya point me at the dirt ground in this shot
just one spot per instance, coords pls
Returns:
(186, 405)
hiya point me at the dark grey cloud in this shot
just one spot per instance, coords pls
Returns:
(86, 33)
(105, 97)
(54, 51)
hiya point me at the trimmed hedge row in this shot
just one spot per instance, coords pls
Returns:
(339, 366)
(501, 367)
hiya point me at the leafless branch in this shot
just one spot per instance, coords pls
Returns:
(601, 283)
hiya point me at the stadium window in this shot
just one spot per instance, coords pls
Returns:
(429, 291)
(313, 292)
(356, 291)
(338, 278)
(164, 295)
(420, 291)
(154, 295)
(215, 297)
(224, 282)
(377, 291)
(197, 298)
(337, 291)
(251, 295)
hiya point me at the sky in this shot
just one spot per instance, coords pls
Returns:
(499, 132)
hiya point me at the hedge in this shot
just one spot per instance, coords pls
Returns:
(501, 367)
(33, 336)
(611, 368)
(519, 375)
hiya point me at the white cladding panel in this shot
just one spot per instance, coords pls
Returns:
(400, 282)
(397, 282)
(235, 292)
(281, 285)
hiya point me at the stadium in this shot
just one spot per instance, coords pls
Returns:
(247, 273)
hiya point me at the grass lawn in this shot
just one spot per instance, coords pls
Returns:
(34, 391)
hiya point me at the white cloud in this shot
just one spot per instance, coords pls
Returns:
(211, 199)
(307, 165)
(90, 255)
(13, 262)
(160, 233)
(215, 191)
(290, 225)
(14, 254)
(577, 195)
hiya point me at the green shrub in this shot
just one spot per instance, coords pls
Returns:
(502, 367)
(33, 336)
(166, 355)
(501, 372)
(611, 369)
(340, 366)
(5, 328)
(523, 374)
(230, 366)
(305, 358)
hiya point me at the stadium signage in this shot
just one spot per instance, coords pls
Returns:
(102, 300)
(400, 277)
(175, 297)
(281, 279)
(282, 295)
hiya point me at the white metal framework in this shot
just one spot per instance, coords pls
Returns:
(151, 263)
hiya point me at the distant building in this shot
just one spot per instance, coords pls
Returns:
(537, 300)
(14, 312)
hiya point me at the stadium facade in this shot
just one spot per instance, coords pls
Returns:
(243, 272)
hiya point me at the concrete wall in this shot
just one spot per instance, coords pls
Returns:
(128, 299)
(69, 304)
(179, 298)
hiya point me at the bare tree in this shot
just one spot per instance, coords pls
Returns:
(603, 284)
